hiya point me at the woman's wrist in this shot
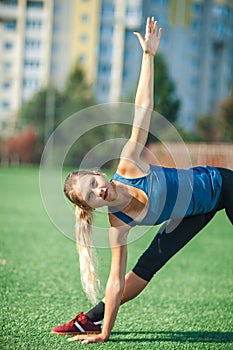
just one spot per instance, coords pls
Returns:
(148, 52)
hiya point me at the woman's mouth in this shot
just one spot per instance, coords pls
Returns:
(105, 194)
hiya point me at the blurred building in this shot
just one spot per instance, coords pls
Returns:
(197, 45)
(119, 52)
(25, 32)
(75, 38)
(40, 41)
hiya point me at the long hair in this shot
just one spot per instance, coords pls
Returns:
(83, 230)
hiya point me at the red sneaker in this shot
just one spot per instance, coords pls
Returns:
(79, 325)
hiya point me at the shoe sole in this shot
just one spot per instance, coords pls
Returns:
(76, 333)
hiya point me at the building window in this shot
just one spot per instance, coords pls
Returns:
(53, 68)
(35, 4)
(161, 2)
(85, 18)
(8, 45)
(106, 29)
(220, 11)
(231, 15)
(105, 50)
(6, 105)
(33, 23)
(56, 8)
(197, 8)
(107, 10)
(194, 62)
(7, 65)
(196, 26)
(193, 82)
(11, 3)
(104, 69)
(6, 85)
(35, 65)
(219, 29)
(104, 88)
(83, 38)
(31, 84)
(10, 25)
(33, 44)
(55, 48)
(82, 58)
(194, 44)
(56, 27)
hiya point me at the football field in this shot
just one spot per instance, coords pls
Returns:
(187, 305)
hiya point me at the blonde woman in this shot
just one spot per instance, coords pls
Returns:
(139, 194)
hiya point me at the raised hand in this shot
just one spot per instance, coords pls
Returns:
(150, 43)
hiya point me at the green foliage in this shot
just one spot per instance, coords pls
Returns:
(77, 95)
(206, 129)
(225, 119)
(33, 111)
(219, 126)
(49, 107)
(187, 306)
(165, 100)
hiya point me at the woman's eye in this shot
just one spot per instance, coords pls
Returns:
(89, 196)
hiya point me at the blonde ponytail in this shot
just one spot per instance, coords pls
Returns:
(89, 277)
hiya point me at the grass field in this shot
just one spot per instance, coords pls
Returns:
(188, 305)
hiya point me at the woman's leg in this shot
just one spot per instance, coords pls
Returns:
(226, 198)
(134, 285)
(161, 249)
(165, 245)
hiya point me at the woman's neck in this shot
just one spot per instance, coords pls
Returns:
(124, 195)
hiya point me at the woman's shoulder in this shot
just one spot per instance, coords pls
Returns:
(130, 169)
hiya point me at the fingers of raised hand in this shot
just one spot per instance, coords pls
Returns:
(160, 33)
(147, 27)
(152, 27)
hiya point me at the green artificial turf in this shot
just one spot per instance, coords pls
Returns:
(188, 305)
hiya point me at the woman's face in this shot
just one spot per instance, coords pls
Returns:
(95, 190)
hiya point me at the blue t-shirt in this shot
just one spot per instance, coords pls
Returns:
(174, 193)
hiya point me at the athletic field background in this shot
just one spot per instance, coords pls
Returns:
(188, 304)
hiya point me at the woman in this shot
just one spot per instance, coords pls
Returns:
(139, 194)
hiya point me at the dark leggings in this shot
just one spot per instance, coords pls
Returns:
(169, 241)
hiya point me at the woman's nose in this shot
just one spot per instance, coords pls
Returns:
(100, 192)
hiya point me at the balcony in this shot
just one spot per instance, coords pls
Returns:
(8, 12)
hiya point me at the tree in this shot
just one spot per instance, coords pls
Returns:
(225, 119)
(206, 128)
(49, 107)
(33, 112)
(20, 148)
(77, 95)
(165, 99)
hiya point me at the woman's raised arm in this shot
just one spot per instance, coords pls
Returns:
(144, 100)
